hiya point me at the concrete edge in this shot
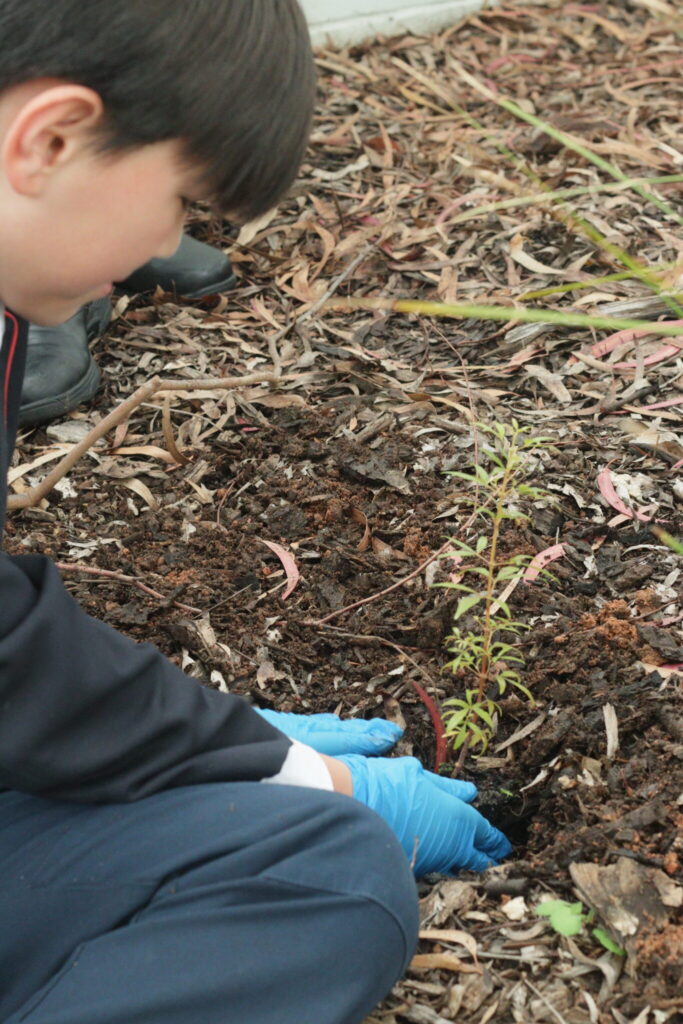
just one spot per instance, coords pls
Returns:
(421, 18)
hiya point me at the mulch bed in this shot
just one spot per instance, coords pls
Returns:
(344, 463)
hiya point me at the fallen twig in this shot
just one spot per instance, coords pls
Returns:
(382, 593)
(440, 753)
(119, 415)
(399, 583)
(120, 577)
(220, 383)
(110, 422)
(275, 339)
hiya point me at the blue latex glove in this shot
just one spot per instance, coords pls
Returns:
(430, 815)
(328, 734)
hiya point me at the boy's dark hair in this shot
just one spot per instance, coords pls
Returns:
(234, 80)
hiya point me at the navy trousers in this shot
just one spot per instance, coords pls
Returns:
(239, 903)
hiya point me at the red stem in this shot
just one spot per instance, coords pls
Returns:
(437, 722)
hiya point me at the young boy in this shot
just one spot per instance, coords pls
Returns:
(150, 868)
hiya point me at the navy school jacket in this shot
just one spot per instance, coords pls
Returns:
(88, 715)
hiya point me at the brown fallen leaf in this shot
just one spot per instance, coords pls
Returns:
(612, 498)
(443, 961)
(362, 520)
(290, 566)
(383, 550)
(527, 261)
(142, 490)
(27, 467)
(152, 451)
(451, 935)
(665, 671)
(539, 561)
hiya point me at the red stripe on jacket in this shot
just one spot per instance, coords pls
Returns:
(10, 360)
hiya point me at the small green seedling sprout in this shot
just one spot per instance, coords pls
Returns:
(569, 919)
(565, 918)
(666, 538)
(488, 655)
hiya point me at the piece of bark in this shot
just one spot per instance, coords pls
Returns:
(630, 898)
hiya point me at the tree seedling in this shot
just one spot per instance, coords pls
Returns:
(486, 655)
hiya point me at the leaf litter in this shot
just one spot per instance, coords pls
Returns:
(338, 466)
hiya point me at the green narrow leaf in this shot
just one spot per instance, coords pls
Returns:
(466, 603)
(456, 702)
(482, 544)
(459, 740)
(467, 311)
(461, 549)
(572, 143)
(608, 942)
(484, 715)
(526, 691)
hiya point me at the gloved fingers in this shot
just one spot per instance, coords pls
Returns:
(473, 860)
(354, 736)
(498, 846)
(490, 841)
(465, 791)
(278, 719)
(328, 734)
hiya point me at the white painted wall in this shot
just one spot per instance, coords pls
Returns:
(350, 21)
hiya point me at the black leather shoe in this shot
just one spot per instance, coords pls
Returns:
(60, 372)
(196, 270)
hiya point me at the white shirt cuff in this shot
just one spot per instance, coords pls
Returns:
(303, 766)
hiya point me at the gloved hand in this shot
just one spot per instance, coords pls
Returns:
(328, 734)
(430, 815)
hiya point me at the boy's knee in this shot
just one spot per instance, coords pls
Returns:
(388, 874)
(354, 853)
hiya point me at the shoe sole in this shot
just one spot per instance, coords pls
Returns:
(226, 285)
(57, 406)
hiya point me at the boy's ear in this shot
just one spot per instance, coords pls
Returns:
(46, 132)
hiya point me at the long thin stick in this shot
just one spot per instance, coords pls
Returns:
(120, 577)
(220, 383)
(121, 414)
(275, 339)
(381, 593)
(110, 422)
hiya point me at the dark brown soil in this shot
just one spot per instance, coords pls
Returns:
(291, 481)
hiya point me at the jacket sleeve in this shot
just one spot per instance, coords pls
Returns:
(88, 715)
